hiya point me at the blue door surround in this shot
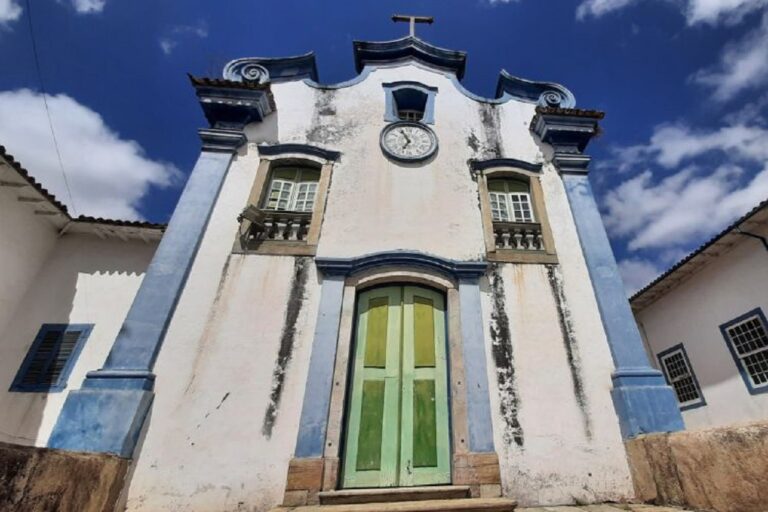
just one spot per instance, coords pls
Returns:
(643, 400)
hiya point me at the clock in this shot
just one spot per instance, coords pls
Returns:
(407, 141)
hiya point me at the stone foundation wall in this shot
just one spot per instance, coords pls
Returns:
(723, 469)
(43, 480)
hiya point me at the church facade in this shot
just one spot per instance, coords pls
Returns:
(387, 282)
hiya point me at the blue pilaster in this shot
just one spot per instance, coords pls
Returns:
(475, 368)
(641, 396)
(317, 393)
(107, 413)
(643, 401)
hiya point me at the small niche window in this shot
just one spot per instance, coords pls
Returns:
(510, 200)
(292, 189)
(679, 374)
(410, 104)
(51, 357)
(409, 101)
(747, 338)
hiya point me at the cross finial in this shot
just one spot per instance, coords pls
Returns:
(413, 20)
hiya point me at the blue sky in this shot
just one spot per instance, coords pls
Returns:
(683, 82)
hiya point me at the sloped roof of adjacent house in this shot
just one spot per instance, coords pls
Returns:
(718, 245)
(32, 192)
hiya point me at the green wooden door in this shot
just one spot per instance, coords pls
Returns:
(397, 422)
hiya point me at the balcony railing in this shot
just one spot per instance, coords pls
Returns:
(520, 236)
(268, 225)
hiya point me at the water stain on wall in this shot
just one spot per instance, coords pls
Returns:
(569, 339)
(326, 127)
(503, 357)
(287, 339)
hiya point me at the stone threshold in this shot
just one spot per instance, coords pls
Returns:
(450, 505)
(388, 495)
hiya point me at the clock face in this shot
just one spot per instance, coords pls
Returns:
(408, 142)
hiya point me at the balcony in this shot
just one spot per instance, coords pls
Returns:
(273, 226)
(518, 236)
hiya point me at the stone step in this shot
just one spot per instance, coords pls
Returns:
(387, 495)
(450, 505)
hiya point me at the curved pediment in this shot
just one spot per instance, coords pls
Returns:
(546, 94)
(383, 52)
(267, 69)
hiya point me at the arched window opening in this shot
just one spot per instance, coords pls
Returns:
(410, 104)
(510, 200)
(292, 189)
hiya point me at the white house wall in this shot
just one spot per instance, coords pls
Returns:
(27, 241)
(84, 280)
(205, 446)
(691, 313)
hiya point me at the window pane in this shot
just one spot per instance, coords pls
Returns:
(279, 195)
(499, 207)
(517, 186)
(521, 207)
(680, 377)
(750, 341)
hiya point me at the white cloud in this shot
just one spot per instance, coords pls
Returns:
(108, 175)
(9, 11)
(636, 273)
(88, 6)
(695, 11)
(743, 65)
(170, 40)
(597, 8)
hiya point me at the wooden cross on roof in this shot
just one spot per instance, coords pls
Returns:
(413, 20)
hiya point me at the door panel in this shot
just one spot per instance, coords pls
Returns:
(397, 426)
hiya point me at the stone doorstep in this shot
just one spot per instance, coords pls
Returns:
(612, 507)
(449, 505)
(437, 492)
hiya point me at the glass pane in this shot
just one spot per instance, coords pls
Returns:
(517, 186)
(521, 207)
(285, 173)
(499, 209)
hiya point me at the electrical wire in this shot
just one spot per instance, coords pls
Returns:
(47, 109)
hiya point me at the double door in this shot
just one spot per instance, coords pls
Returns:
(397, 431)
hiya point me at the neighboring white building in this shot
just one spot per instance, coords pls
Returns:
(58, 271)
(385, 282)
(704, 324)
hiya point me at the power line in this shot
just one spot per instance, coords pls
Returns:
(47, 110)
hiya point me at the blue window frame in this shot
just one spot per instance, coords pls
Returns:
(678, 371)
(747, 339)
(406, 99)
(51, 357)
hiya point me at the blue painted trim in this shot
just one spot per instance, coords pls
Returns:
(681, 348)
(303, 149)
(341, 85)
(546, 94)
(729, 343)
(278, 68)
(481, 165)
(451, 268)
(317, 392)
(61, 382)
(643, 400)
(368, 52)
(390, 109)
(107, 414)
(475, 367)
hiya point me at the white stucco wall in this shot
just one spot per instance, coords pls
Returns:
(202, 451)
(83, 280)
(691, 313)
(27, 241)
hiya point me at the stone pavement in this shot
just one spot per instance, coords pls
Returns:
(613, 507)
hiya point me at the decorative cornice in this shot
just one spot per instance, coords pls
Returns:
(229, 104)
(481, 165)
(451, 268)
(546, 94)
(568, 131)
(302, 149)
(384, 52)
(220, 140)
(266, 69)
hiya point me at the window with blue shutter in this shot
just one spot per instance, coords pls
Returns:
(51, 357)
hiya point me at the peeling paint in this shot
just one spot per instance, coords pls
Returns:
(287, 338)
(569, 339)
(489, 118)
(503, 357)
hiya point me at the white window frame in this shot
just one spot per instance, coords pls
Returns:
(664, 359)
(295, 202)
(740, 358)
(505, 202)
